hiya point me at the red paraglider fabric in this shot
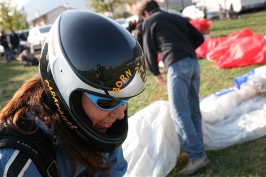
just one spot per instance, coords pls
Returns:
(202, 25)
(236, 50)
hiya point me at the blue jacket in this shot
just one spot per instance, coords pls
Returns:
(116, 158)
(7, 155)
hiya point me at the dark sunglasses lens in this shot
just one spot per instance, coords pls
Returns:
(107, 104)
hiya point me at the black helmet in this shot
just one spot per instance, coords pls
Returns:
(79, 43)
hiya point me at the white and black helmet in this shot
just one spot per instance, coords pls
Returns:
(79, 42)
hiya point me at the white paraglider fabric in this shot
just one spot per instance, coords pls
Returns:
(232, 116)
(152, 146)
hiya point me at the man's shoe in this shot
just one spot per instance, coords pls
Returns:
(194, 166)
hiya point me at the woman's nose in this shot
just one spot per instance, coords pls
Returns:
(118, 112)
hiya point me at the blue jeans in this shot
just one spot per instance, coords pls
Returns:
(183, 79)
(11, 53)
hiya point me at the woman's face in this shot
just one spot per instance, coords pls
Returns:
(101, 119)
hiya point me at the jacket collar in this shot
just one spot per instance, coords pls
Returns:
(155, 10)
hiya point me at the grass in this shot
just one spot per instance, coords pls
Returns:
(12, 75)
(241, 160)
(255, 22)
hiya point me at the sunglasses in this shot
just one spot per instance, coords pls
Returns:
(105, 103)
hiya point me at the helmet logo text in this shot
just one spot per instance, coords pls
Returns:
(56, 103)
(124, 77)
(140, 70)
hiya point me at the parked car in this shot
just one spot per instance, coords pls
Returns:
(133, 18)
(24, 32)
(212, 10)
(1, 50)
(23, 35)
(123, 22)
(194, 12)
(178, 13)
(37, 36)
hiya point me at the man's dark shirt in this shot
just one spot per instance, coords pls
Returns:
(3, 41)
(170, 35)
(14, 40)
(139, 35)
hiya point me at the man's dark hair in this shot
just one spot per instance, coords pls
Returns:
(147, 5)
(151, 5)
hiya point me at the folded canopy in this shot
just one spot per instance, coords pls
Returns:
(236, 50)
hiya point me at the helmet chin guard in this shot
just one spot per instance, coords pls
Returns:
(88, 52)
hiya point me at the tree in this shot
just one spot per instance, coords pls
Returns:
(10, 17)
(101, 6)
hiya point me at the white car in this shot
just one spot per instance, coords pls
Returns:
(212, 10)
(133, 18)
(123, 22)
(1, 50)
(37, 36)
(192, 12)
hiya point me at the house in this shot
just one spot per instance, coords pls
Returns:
(48, 17)
(174, 4)
(164, 4)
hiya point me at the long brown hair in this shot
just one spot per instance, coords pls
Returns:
(32, 97)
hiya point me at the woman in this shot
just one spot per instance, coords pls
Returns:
(85, 121)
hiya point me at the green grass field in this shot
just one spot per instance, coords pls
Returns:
(242, 160)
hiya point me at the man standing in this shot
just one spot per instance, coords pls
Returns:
(175, 39)
(7, 49)
(14, 40)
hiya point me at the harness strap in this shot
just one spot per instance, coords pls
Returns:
(43, 158)
(37, 147)
(17, 164)
(85, 173)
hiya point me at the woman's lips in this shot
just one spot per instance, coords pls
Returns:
(105, 124)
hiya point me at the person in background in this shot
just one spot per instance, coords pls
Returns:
(131, 27)
(204, 10)
(135, 23)
(14, 40)
(8, 52)
(27, 58)
(83, 122)
(232, 13)
(175, 39)
(223, 12)
(100, 74)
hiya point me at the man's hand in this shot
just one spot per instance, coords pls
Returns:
(160, 80)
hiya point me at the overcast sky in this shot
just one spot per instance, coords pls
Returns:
(20, 3)
(44, 6)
